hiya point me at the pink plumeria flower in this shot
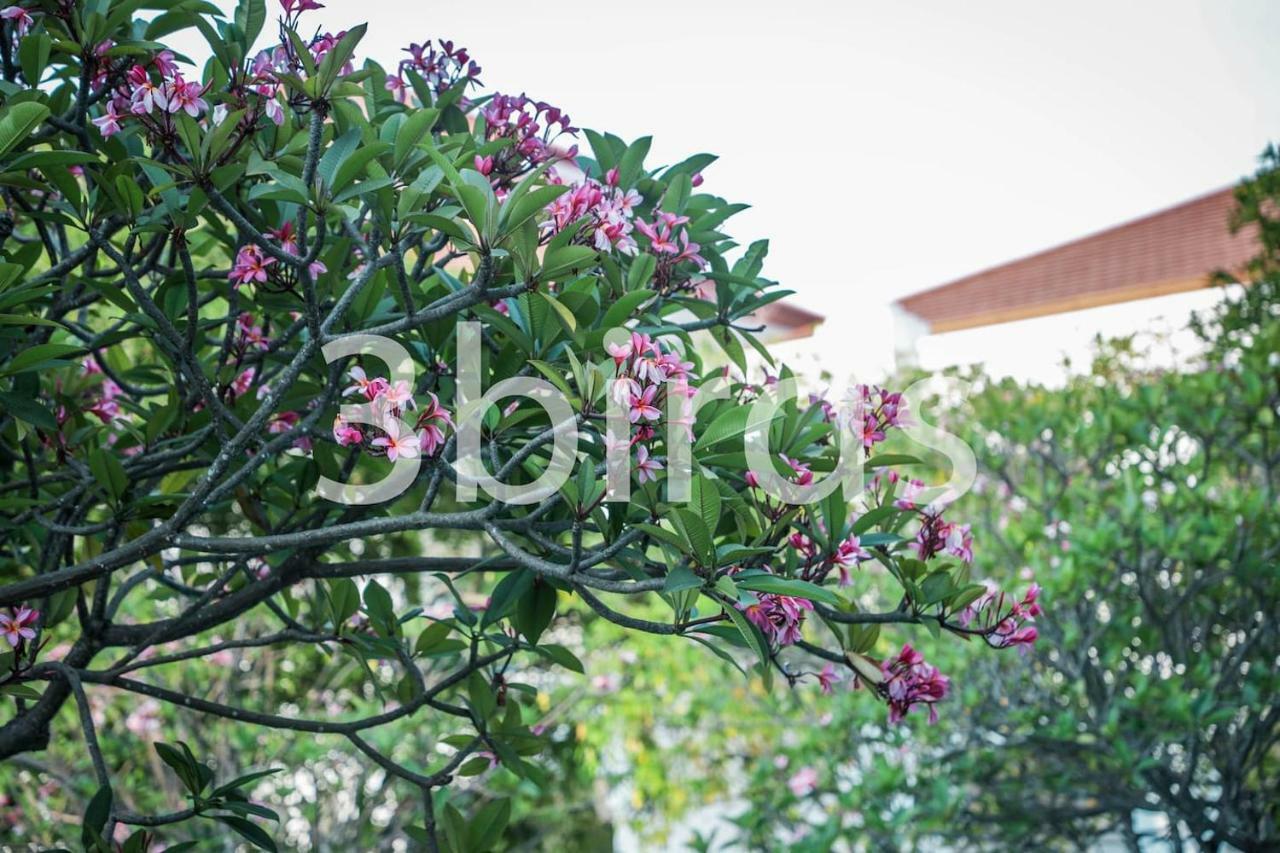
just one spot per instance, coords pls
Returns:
(292, 7)
(829, 678)
(250, 266)
(642, 406)
(397, 444)
(283, 422)
(619, 352)
(107, 410)
(165, 63)
(396, 396)
(363, 384)
(624, 389)
(646, 468)
(251, 334)
(779, 617)
(21, 18)
(18, 625)
(804, 476)
(909, 681)
(396, 86)
(346, 434)
(108, 123)
(803, 782)
(285, 236)
(243, 382)
(146, 95)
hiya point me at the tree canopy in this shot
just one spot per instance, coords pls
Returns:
(290, 346)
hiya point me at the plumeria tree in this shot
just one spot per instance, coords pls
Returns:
(250, 476)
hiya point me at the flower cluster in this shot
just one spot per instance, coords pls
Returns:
(938, 536)
(909, 681)
(264, 83)
(873, 411)
(254, 266)
(440, 69)
(669, 242)
(643, 370)
(814, 565)
(152, 94)
(1002, 620)
(608, 209)
(532, 128)
(779, 617)
(389, 402)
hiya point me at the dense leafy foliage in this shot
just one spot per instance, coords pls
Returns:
(195, 257)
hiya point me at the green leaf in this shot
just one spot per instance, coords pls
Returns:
(242, 781)
(481, 205)
(696, 534)
(664, 535)
(33, 55)
(681, 578)
(704, 499)
(641, 271)
(872, 517)
(344, 599)
(18, 121)
(562, 656)
(432, 636)
(787, 586)
(535, 610)
(412, 131)
(505, 595)
(382, 615)
(249, 831)
(885, 460)
(516, 212)
(250, 17)
(480, 695)
(95, 820)
(632, 162)
(331, 65)
(967, 596)
(730, 423)
(489, 823)
(624, 307)
(22, 691)
(565, 315)
(750, 633)
(566, 259)
(108, 472)
(39, 357)
(30, 411)
(335, 156)
(183, 764)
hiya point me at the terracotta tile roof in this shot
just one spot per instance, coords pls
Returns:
(786, 321)
(1169, 251)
